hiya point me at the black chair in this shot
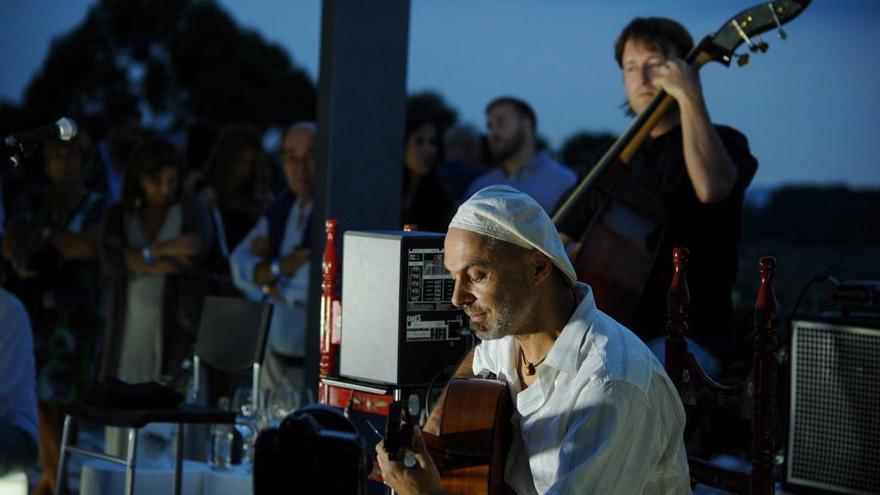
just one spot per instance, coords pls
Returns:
(232, 337)
(229, 341)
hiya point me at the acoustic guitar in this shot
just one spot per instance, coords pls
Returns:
(621, 243)
(474, 437)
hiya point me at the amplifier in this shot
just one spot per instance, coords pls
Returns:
(398, 322)
(833, 443)
(857, 295)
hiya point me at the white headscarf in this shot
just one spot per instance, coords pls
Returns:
(506, 214)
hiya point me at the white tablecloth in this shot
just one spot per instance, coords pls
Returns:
(14, 484)
(233, 481)
(100, 477)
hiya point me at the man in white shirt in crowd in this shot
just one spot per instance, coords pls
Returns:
(272, 261)
(18, 389)
(594, 411)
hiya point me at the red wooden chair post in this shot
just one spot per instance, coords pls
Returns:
(677, 307)
(754, 399)
(764, 366)
(329, 295)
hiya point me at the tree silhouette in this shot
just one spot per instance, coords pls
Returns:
(182, 61)
(582, 150)
(431, 105)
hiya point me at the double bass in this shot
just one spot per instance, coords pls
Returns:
(622, 241)
(473, 441)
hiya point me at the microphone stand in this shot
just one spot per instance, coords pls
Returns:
(12, 160)
(13, 155)
(16, 146)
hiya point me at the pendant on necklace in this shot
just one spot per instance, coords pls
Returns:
(530, 367)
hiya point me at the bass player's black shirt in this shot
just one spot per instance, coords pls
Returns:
(709, 231)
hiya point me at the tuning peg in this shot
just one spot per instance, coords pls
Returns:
(742, 59)
(782, 34)
(761, 46)
(744, 36)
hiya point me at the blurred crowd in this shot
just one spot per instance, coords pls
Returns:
(109, 248)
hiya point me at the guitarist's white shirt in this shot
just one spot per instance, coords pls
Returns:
(603, 417)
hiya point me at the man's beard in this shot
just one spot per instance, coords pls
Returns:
(509, 311)
(510, 147)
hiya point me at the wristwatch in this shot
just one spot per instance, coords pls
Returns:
(275, 268)
(148, 254)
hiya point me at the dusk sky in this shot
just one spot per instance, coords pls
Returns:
(809, 106)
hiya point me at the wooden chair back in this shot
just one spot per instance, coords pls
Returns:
(754, 399)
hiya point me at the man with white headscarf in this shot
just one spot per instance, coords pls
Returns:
(594, 409)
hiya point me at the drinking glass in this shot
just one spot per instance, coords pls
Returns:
(221, 446)
(280, 402)
(243, 402)
(246, 423)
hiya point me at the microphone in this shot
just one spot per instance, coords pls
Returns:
(64, 129)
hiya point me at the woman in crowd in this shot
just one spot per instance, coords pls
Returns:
(152, 247)
(235, 185)
(51, 243)
(427, 203)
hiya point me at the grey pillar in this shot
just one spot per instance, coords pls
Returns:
(361, 112)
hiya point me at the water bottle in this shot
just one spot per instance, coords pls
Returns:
(221, 441)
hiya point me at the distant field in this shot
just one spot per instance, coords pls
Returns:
(797, 264)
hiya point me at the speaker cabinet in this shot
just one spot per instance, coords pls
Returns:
(833, 443)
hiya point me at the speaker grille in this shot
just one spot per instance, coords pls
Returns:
(834, 422)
